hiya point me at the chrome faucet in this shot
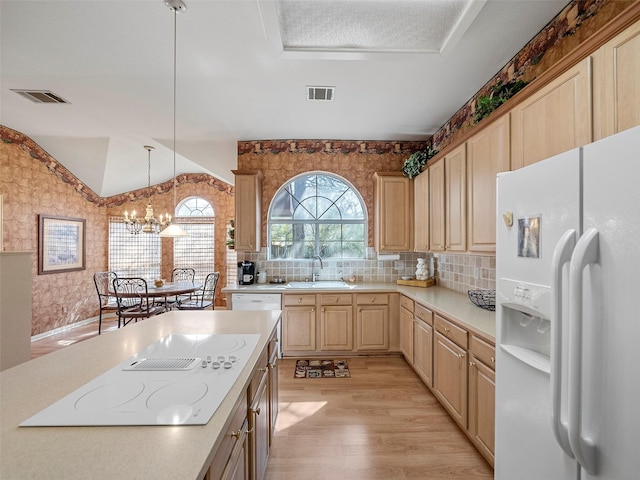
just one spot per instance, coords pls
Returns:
(314, 275)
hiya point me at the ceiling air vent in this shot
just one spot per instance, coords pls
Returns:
(41, 96)
(320, 93)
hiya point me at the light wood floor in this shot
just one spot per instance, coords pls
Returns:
(71, 336)
(382, 423)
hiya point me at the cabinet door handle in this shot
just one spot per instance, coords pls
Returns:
(373, 299)
(257, 411)
(262, 370)
(472, 364)
(447, 330)
(236, 434)
(299, 299)
(493, 360)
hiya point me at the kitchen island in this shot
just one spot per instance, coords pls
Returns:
(131, 452)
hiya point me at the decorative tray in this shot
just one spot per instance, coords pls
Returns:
(417, 283)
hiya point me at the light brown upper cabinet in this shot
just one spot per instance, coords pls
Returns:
(556, 118)
(421, 212)
(436, 207)
(456, 200)
(248, 212)
(448, 202)
(616, 84)
(393, 212)
(487, 155)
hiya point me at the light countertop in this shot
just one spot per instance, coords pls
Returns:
(148, 452)
(449, 303)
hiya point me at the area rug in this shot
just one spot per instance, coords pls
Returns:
(312, 368)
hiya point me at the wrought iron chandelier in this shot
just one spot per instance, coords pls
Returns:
(148, 224)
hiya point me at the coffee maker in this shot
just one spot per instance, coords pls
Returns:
(246, 272)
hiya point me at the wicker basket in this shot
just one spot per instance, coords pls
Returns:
(483, 298)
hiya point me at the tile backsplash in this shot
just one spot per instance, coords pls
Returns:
(460, 272)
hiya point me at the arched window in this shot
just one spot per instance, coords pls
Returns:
(194, 207)
(197, 251)
(317, 213)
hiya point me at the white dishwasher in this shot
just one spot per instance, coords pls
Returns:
(256, 301)
(259, 301)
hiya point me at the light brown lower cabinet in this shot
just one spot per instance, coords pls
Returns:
(482, 397)
(450, 377)
(423, 344)
(299, 323)
(336, 322)
(339, 323)
(244, 450)
(459, 368)
(231, 460)
(406, 330)
(273, 386)
(372, 322)
(259, 430)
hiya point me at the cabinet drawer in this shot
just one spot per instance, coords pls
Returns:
(372, 298)
(423, 314)
(452, 331)
(406, 302)
(483, 351)
(259, 372)
(292, 300)
(231, 436)
(328, 299)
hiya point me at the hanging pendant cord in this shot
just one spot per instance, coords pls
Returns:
(175, 68)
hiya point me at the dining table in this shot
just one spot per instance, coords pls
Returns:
(169, 289)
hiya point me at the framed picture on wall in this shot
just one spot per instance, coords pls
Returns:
(61, 244)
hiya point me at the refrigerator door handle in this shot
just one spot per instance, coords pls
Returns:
(586, 252)
(561, 256)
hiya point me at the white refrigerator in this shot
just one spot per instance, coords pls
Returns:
(568, 315)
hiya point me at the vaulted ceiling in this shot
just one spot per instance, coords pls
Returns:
(400, 69)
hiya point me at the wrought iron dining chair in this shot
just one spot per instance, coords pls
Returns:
(182, 275)
(204, 298)
(108, 303)
(133, 300)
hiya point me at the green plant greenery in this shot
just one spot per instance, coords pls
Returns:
(231, 233)
(498, 94)
(413, 165)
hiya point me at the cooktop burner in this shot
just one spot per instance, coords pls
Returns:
(180, 379)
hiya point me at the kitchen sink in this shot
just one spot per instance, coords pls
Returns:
(322, 284)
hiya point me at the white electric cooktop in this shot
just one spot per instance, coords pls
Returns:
(178, 380)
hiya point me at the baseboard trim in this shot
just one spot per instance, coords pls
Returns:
(55, 331)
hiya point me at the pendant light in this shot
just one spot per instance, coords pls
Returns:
(176, 6)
